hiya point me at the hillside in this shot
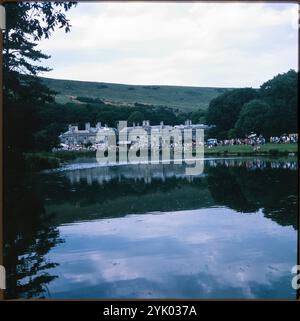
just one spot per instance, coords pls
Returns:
(177, 97)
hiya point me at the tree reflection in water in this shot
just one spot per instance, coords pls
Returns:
(28, 237)
(244, 185)
(247, 190)
(31, 231)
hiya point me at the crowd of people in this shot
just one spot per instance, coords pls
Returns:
(284, 139)
(254, 140)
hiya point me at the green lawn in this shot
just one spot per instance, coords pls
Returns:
(45, 160)
(248, 149)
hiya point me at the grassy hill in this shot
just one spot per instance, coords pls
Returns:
(177, 97)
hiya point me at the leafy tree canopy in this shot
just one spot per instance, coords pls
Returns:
(28, 23)
(271, 110)
(253, 118)
(136, 117)
(224, 110)
(281, 94)
(281, 87)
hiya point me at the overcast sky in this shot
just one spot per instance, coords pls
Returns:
(192, 44)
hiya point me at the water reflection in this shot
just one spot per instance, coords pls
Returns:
(273, 191)
(239, 216)
(188, 254)
(244, 185)
(254, 163)
(145, 173)
(28, 238)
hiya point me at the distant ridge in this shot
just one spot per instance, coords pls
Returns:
(183, 98)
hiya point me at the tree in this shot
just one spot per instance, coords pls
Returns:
(253, 117)
(27, 23)
(281, 94)
(271, 110)
(198, 116)
(135, 117)
(224, 110)
(281, 87)
(47, 138)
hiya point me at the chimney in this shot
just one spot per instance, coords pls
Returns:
(98, 125)
(87, 126)
(70, 128)
(133, 124)
(161, 124)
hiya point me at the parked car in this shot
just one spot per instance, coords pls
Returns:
(212, 142)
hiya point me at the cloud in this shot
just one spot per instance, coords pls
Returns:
(198, 44)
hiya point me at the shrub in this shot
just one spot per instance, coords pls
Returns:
(35, 161)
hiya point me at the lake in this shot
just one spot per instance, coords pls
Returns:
(150, 231)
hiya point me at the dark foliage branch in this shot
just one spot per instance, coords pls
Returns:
(28, 23)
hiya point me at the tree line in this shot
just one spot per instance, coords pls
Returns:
(33, 120)
(270, 110)
(52, 119)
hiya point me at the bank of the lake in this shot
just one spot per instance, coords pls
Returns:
(36, 161)
(46, 160)
(258, 150)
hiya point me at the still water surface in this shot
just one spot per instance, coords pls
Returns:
(149, 231)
